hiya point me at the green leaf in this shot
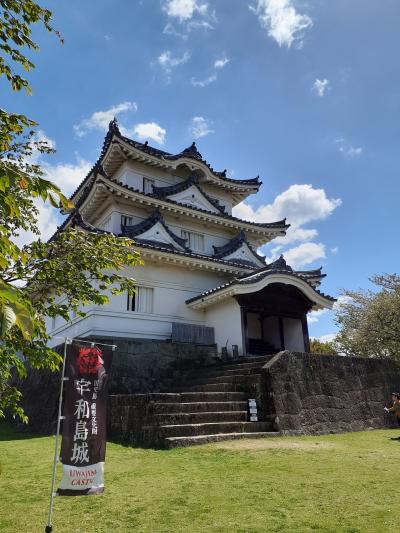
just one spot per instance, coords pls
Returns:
(8, 292)
(7, 318)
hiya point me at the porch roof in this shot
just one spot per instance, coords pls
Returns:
(277, 272)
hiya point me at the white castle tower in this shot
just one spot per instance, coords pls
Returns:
(203, 280)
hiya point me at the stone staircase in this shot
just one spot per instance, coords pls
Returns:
(212, 406)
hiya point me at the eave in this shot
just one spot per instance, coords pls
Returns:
(103, 186)
(120, 151)
(237, 287)
(191, 261)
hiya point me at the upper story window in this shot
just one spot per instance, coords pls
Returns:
(126, 220)
(148, 185)
(141, 301)
(195, 241)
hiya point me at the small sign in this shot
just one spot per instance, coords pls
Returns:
(253, 410)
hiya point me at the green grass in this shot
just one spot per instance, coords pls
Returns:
(344, 483)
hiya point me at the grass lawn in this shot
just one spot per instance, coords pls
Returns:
(344, 483)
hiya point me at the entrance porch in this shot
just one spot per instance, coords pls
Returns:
(264, 312)
(275, 319)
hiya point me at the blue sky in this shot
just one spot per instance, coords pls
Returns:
(303, 93)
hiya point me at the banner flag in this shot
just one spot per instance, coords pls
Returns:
(83, 446)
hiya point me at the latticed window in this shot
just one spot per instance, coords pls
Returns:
(141, 301)
(148, 185)
(195, 241)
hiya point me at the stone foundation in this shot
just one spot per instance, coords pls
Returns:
(314, 394)
(139, 366)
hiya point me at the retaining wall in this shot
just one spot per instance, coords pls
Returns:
(314, 394)
(139, 366)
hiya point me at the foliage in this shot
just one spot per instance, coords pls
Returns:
(20, 180)
(82, 267)
(322, 347)
(325, 484)
(369, 321)
(16, 20)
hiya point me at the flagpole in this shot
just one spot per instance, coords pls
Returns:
(49, 526)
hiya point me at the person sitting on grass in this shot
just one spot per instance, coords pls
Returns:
(395, 409)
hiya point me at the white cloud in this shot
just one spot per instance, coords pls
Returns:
(99, 120)
(221, 63)
(347, 149)
(282, 21)
(335, 249)
(299, 203)
(184, 10)
(168, 62)
(205, 82)
(148, 130)
(329, 337)
(107, 37)
(67, 176)
(343, 299)
(305, 254)
(296, 234)
(320, 87)
(170, 30)
(200, 127)
(199, 25)
(314, 316)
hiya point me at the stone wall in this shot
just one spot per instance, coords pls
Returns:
(139, 366)
(130, 418)
(313, 394)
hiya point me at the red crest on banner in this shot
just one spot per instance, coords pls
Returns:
(89, 360)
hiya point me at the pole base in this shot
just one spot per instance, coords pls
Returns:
(48, 529)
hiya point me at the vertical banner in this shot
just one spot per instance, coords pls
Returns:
(83, 446)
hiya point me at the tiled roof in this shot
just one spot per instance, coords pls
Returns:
(281, 224)
(254, 277)
(163, 192)
(190, 152)
(148, 223)
(233, 245)
(77, 220)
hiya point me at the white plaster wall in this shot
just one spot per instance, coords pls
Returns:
(172, 287)
(225, 318)
(131, 173)
(293, 334)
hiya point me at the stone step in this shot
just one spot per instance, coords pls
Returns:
(127, 399)
(180, 442)
(235, 378)
(215, 387)
(212, 428)
(244, 360)
(197, 407)
(222, 371)
(211, 396)
(200, 417)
